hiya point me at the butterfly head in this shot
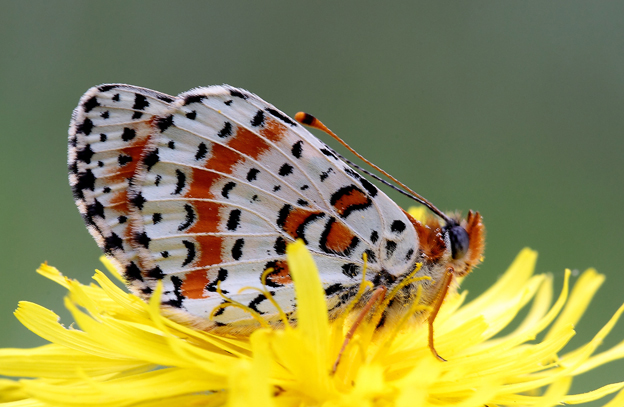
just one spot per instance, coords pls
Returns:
(458, 243)
(465, 240)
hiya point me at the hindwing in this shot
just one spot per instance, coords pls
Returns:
(208, 187)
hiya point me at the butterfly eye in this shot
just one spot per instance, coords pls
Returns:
(460, 241)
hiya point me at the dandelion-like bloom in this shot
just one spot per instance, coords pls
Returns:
(123, 351)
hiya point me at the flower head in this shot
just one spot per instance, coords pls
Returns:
(123, 351)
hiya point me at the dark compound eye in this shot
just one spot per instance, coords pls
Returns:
(460, 241)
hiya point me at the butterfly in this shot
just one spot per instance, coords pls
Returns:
(204, 190)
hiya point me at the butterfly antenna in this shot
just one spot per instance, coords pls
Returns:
(309, 120)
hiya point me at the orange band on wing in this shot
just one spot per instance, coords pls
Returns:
(273, 130)
(338, 238)
(248, 143)
(209, 250)
(194, 284)
(280, 274)
(293, 220)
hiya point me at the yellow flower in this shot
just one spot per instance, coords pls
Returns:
(124, 352)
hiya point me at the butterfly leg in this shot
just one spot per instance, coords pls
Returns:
(378, 295)
(446, 283)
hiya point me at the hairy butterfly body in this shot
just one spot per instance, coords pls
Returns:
(206, 189)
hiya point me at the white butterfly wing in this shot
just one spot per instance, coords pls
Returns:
(225, 181)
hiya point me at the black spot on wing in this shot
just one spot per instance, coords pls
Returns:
(105, 115)
(285, 169)
(155, 273)
(280, 116)
(142, 239)
(180, 183)
(140, 102)
(237, 94)
(383, 278)
(226, 131)
(370, 256)
(112, 242)
(73, 167)
(86, 180)
(90, 104)
(128, 134)
(283, 214)
(228, 102)
(227, 188)
(297, 149)
(103, 137)
(253, 304)
(222, 275)
(138, 201)
(258, 119)
(124, 159)
(85, 127)
(116, 97)
(137, 115)
(190, 252)
(132, 272)
(252, 174)
(350, 270)
(95, 209)
(397, 226)
(325, 174)
(220, 311)
(390, 248)
(202, 150)
(171, 144)
(333, 289)
(409, 254)
(85, 154)
(234, 219)
(374, 236)
(237, 249)
(280, 246)
(191, 115)
(165, 99)
(106, 88)
(177, 291)
(163, 123)
(156, 218)
(122, 219)
(372, 190)
(190, 99)
(328, 153)
(151, 158)
(189, 219)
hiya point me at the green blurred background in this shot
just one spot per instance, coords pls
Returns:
(511, 108)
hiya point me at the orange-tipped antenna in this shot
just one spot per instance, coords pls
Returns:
(309, 120)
